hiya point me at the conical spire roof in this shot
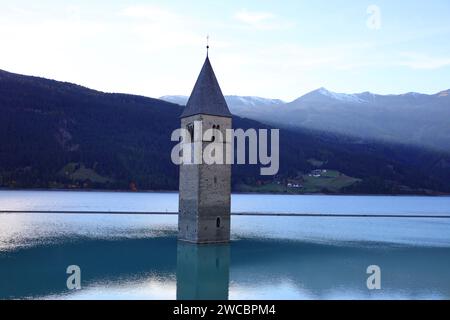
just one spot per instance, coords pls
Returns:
(206, 97)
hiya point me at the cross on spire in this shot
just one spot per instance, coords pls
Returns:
(207, 45)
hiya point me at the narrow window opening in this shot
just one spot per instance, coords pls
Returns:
(190, 128)
(218, 222)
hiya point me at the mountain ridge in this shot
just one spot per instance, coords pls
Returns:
(324, 90)
(411, 118)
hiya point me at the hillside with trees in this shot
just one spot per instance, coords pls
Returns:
(61, 135)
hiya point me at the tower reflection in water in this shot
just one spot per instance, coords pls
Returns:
(203, 271)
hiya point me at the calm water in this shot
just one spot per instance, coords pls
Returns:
(137, 256)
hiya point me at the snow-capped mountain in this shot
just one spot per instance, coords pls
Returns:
(249, 101)
(411, 118)
(343, 97)
(244, 106)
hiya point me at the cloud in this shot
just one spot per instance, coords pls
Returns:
(149, 12)
(421, 61)
(160, 28)
(253, 18)
(261, 20)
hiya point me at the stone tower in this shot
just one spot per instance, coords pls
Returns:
(205, 189)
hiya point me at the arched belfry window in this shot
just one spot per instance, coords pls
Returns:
(190, 128)
(213, 138)
(218, 222)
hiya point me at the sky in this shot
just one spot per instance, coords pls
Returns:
(273, 49)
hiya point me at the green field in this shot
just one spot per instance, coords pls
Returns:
(330, 182)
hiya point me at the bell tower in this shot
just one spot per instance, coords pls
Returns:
(205, 189)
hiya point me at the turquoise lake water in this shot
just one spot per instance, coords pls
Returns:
(135, 256)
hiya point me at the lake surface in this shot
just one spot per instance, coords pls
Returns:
(136, 256)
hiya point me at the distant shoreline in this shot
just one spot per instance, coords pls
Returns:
(243, 193)
(248, 214)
